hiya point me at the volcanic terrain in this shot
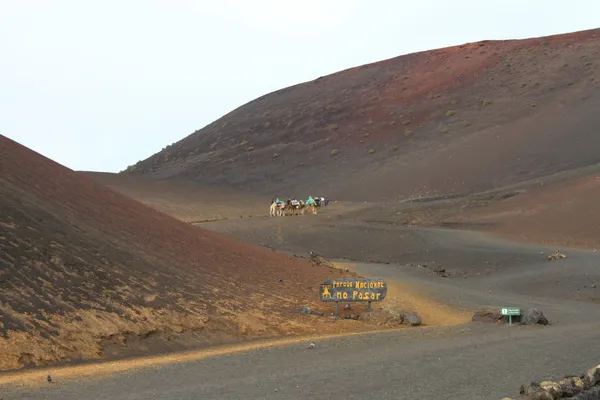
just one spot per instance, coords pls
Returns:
(426, 157)
(88, 273)
(456, 120)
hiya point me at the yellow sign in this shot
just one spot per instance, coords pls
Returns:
(352, 289)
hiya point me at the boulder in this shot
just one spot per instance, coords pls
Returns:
(570, 387)
(593, 375)
(533, 316)
(486, 316)
(534, 391)
(552, 388)
(590, 394)
(411, 319)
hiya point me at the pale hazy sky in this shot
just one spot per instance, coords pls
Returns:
(99, 85)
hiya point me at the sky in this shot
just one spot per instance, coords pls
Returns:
(100, 85)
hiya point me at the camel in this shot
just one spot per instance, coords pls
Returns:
(276, 211)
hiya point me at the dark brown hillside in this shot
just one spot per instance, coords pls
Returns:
(408, 126)
(86, 272)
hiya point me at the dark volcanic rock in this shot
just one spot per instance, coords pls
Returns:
(411, 319)
(486, 316)
(533, 316)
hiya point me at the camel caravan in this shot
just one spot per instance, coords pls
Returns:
(296, 207)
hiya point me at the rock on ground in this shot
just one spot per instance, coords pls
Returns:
(533, 316)
(411, 319)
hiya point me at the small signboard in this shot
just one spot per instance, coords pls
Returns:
(348, 290)
(510, 312)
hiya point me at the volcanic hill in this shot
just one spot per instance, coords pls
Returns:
(455, 120)
(87, 273)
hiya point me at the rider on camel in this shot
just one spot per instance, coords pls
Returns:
(310, 201)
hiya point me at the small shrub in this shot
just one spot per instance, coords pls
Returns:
(486, 102)
(267, 124)
(371, 151)
(392, 123)
(394, 148)
(244, 142)
(250, 148)
(408, 133)
(445, 129)
(453, 102)
(212, 146)
(523, 84)
(332, 127)
(467, 124)
(532, 104)
(275, 155)
(450, 113)
(366, 134)
(406, 123)
(570, 83)
(335, 152)
(587, 64)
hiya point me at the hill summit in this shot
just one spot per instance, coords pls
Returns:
(454, 120)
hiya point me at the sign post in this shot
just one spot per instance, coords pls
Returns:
(510, 312)
(349, 290)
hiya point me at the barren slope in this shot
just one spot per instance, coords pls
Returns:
(185, 200)
(86, 272)
(453, 120)
(565, 214)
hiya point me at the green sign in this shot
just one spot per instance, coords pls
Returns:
(510, 311)
(352, 290)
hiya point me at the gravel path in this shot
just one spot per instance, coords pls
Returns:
(475, 361)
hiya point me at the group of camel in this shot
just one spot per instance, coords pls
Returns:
(283, 209)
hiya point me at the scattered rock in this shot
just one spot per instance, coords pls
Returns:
(552, 388)
(584, 387)
(590, 394)
(311, 346)
(411, 319)
(556, 255)
(533, 316)
(570, 387)
(486, 316)
(593, 375)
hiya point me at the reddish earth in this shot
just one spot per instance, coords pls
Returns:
(89, 273)
(461, 119)
(565, 214)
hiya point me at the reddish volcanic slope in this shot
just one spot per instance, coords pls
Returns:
(453, 120)
(87, 272)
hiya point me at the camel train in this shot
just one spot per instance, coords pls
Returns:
(296, 207)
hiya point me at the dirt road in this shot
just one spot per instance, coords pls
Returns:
(469, 361)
